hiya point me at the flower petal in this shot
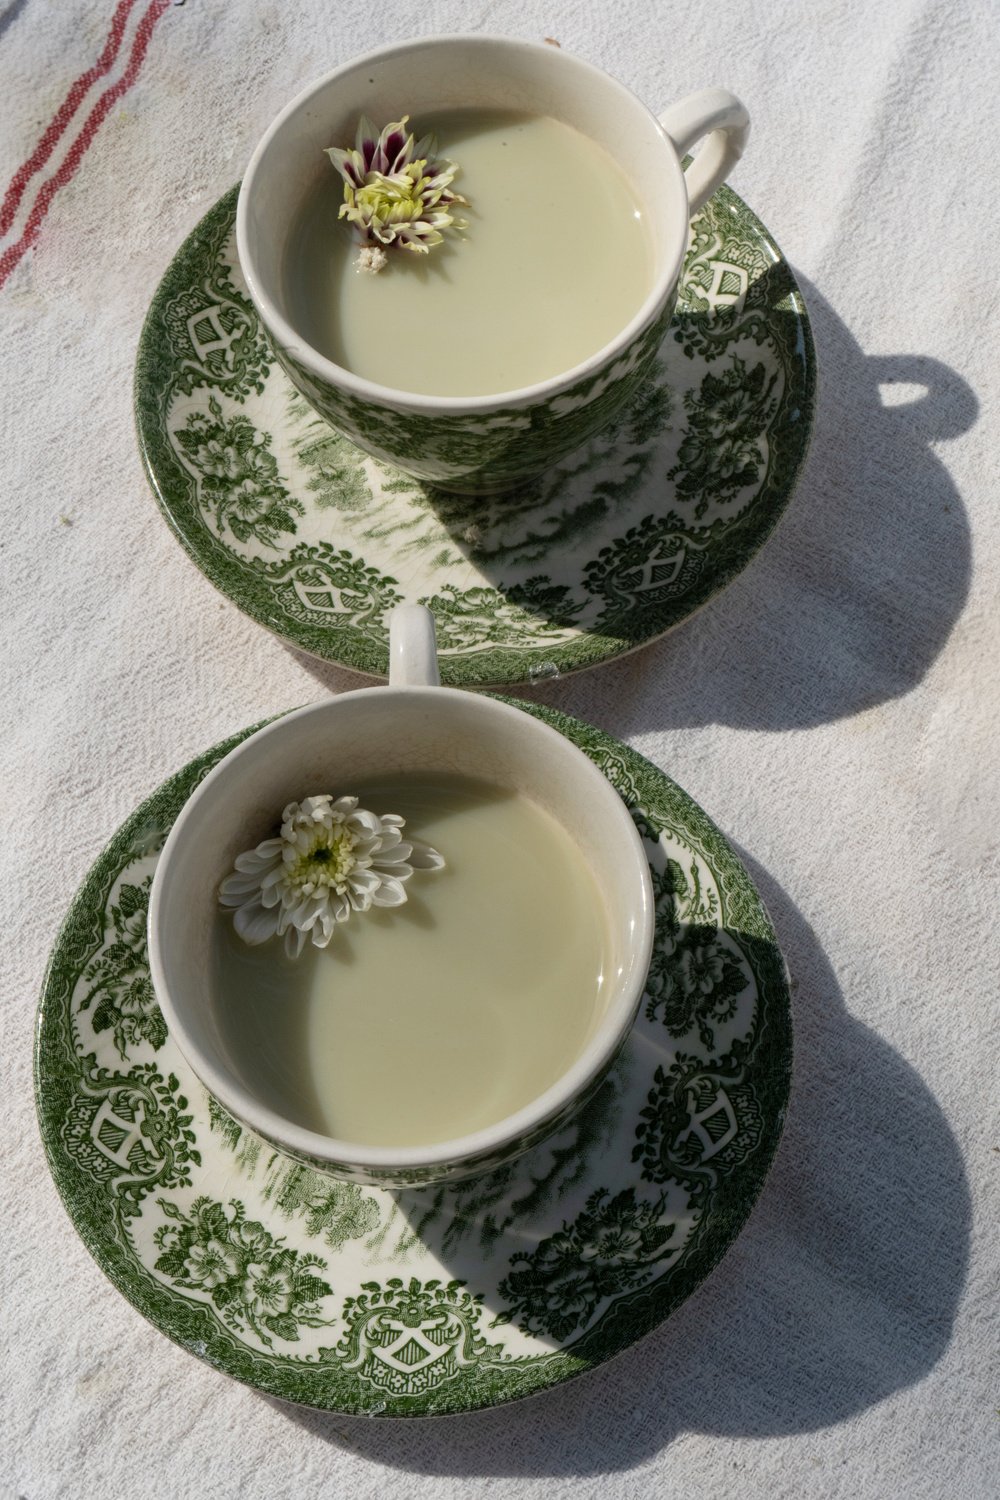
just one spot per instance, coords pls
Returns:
(295, 941)
(390, 838)
(395, 855)
(235, 889)
(368, 824)
(423, 857)
(392, 153)
(348, 163)
(425, 149)
(366, 142)
(260, 858)
(389, 893)
(253, 924)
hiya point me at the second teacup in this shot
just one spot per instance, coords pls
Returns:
(435, 1038)
(467, 436)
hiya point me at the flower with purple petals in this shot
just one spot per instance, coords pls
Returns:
(396, 191)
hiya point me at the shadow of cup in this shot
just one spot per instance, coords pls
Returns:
(842, 1288)
(853, 599)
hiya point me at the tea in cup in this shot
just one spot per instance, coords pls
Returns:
(478, 359)
(429, 1038)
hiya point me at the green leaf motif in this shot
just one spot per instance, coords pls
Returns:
(131, 900)
(724, 448)
(614, 1245)
(120, 988)
(240, 487)
(695, 978)
(250, 1276)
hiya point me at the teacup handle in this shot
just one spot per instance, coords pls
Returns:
(412, 649)
(718, 114)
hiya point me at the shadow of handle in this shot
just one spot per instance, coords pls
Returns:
(948, 406)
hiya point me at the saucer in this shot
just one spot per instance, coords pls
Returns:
(440, 1299)
(607, 551)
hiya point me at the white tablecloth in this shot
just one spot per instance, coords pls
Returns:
(836, 711)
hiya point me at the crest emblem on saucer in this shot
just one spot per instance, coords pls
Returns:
(411, 1337)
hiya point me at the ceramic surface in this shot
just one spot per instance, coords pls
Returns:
(414, 728)
(441, 1299)
(610, 549)
(484, 444)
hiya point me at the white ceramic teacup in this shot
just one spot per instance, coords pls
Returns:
(487, 443)
(413, 726)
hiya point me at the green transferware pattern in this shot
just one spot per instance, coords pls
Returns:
(432, 1299)
(484, 454)
(620, 541)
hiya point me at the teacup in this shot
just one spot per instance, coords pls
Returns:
(415, 727)
(487, 443)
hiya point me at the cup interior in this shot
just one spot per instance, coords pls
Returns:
(427, 76)
(350, 740)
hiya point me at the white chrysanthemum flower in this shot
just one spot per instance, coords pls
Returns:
(332, 857)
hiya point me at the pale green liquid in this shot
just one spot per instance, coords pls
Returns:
(556, 261)
(440, 1017)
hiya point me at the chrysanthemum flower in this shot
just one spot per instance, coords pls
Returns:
(395, 191)
(330, 858)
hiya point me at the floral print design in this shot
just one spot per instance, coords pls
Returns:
(203, 340)
(240, 484)
(253, 1279)
(724, 447)
(119, 977)
(613, 1246)
(694, 978)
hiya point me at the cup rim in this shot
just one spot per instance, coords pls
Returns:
(370, 391)
(334, 1152)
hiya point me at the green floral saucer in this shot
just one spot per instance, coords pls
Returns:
(603, 554)
(446, 1298)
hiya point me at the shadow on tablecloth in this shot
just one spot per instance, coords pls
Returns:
(842, 1289)
(850, 602)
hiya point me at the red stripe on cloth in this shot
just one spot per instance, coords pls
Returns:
(63, 115)
(74, 156)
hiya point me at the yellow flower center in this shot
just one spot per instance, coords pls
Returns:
(390, 199)
(329, 860)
